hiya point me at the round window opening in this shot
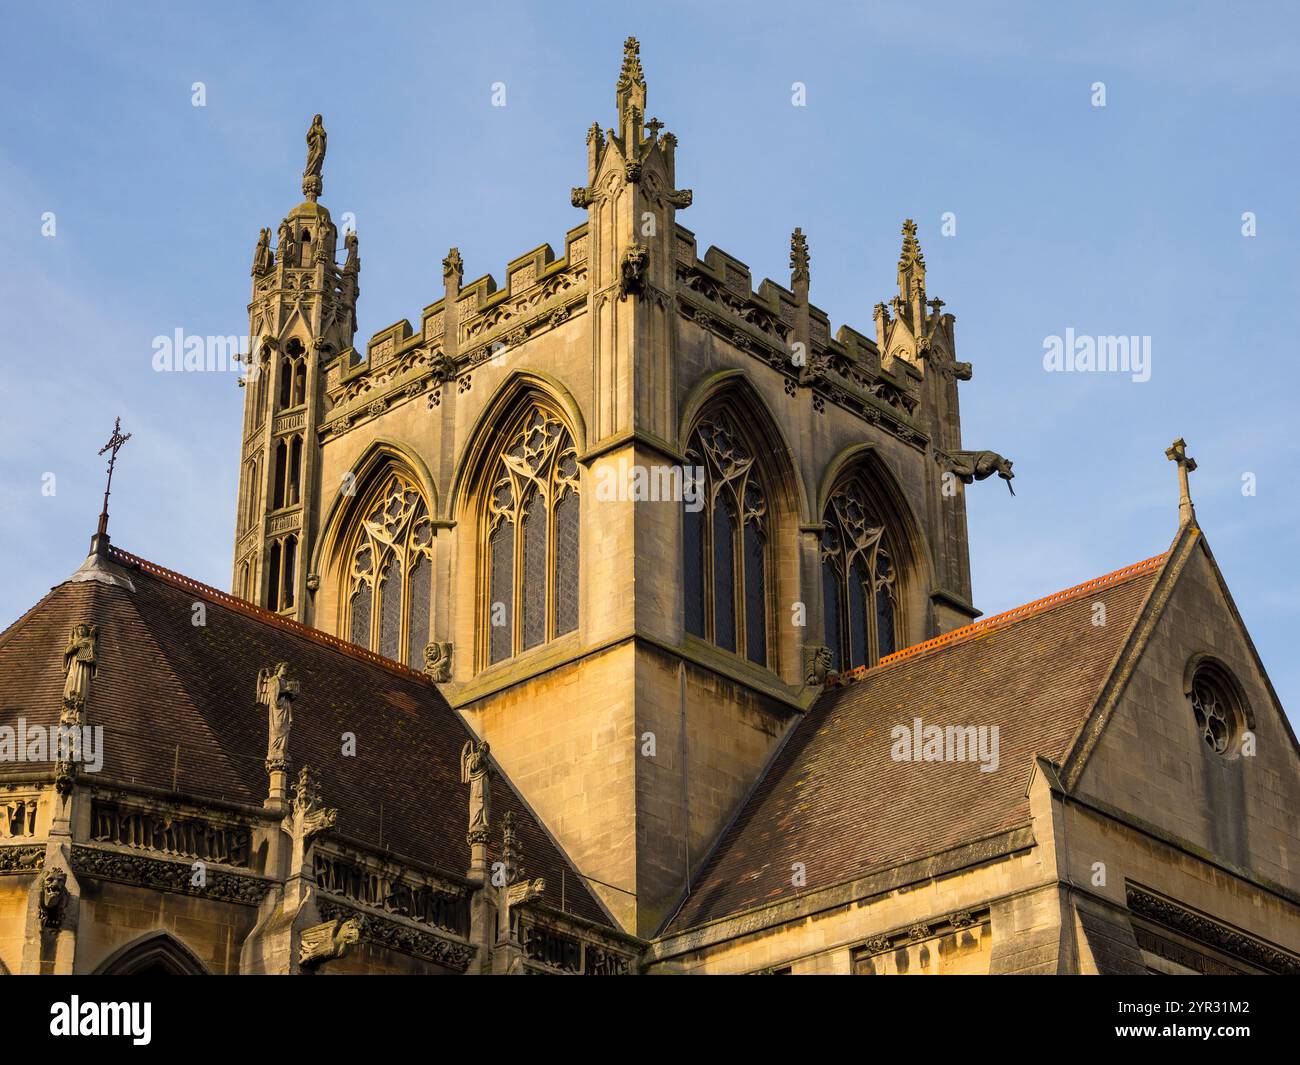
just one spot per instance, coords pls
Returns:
(1218, 712)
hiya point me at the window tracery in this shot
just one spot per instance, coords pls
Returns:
(725, 543)
(859, 587)
(390, 573)
(531, 538)
(1218, 711)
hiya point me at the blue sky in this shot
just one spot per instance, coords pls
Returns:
(1118, 220)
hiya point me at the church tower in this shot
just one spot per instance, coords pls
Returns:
(302, 313)
(625, 508)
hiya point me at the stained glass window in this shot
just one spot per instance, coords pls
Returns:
(725, 543)
(532, 519)
(858, 585)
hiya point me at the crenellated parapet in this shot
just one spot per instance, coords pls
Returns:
(846, 369)
(541, 292)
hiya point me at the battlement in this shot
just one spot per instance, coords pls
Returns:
(540, 293)
(847, 368)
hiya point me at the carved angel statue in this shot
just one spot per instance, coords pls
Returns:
(79, 663)
(977, 465)
(474, 768)
(262, 258)
(276, 690)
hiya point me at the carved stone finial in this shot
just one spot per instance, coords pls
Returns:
(911, 264)
(308, 815)
(437, 662)
(631, 75)
(312, 180)
(474, 771)
(54, 898)
(453, 268)
(1177, 453)
(511, 853)
(79, 664)
(799, 261)
(631, 94)
(595, 134)
(276, 690)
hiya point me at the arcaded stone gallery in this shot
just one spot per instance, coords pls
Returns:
(614, 617)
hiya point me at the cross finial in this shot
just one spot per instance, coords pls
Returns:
(1177, 453)
(100, 540)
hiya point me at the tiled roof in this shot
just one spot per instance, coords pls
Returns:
(836, 801)
(177, 702)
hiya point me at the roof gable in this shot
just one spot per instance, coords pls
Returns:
(837, 802)
(1145, 758)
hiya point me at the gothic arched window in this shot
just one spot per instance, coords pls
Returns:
(725, 535)
(390, 573)
(531, 538)
(282, 573)
(859, 590)
(288, 472)
(293, 375)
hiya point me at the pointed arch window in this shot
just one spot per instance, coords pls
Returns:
(531, 539)
(725, 537)
(390, 576)
(293, 375)
(288, 472)
(859, 589)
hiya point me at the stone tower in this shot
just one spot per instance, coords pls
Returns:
(303, 311)
(624, 508)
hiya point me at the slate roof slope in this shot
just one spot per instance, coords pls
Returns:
(836, 801)
(177, 702)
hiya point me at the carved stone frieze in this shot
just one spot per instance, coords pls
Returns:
(399, 936)
(22, 859)
(391, 890)
(1211, 932)
(164, 875)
